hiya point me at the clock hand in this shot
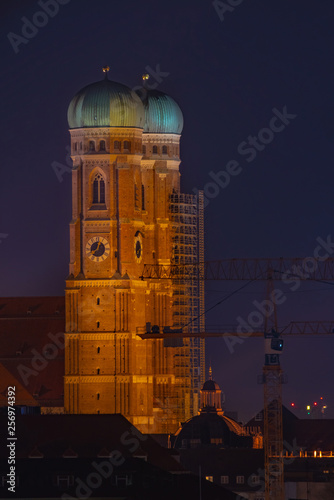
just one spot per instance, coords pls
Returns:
(96, 249)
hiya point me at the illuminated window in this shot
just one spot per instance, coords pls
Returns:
(209, 478)
(127, 145)
(142, 197)
(164, 150)
(240, 479)
(117, 145)
(144, 150)
(64, 481)
(155, 150)
(91, 146)
(224, 479)
(98, 189)
(102, 145)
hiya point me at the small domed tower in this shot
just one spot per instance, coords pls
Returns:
(211, 396)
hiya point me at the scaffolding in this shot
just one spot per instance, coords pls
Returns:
(186, 214)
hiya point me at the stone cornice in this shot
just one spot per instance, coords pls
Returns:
(105, 283)
(107, 132)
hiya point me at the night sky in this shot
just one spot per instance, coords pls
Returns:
(228, 71)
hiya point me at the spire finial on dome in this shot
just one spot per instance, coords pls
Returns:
(105, 70)
(145, 77)
(210, 373)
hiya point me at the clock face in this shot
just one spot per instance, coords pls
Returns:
(97, 249)
(138, 248)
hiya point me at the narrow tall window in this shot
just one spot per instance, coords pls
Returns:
(102, 145)
(75, 146)
(99, 189)
(98, 371)
(136, 197)
(117, 145)
(164, 150)
(98, 395)
(91, 146)
(155, 150)
(127, 145)
(97, 324)
(98, 350)
(98, 301)
(142, 197)
(144, 150)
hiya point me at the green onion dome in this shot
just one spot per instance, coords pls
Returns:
(162, 114)
(106, 104)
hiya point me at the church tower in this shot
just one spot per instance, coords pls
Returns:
(125, 152)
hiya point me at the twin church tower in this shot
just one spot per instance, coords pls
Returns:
(127, 211)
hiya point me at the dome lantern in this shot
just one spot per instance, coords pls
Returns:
(211, 396)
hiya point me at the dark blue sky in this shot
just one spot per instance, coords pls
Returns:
(227, 76)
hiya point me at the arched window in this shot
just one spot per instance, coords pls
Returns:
(98, 371)
(142, 197)
(117, 145)
(91, 146)
(98, 395)
(127, 145)
(102, 145)
(98, 350)
(144, 150)
(98, 301)
(97, 324)
(155, 150)
(164, 150)
(98, 189)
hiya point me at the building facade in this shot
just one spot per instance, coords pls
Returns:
(125, 148)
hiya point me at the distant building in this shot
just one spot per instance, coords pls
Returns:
(96, 457)
(211, 427)
(227, 454)
(32, 352)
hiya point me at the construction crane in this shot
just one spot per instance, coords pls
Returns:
(290, 270)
